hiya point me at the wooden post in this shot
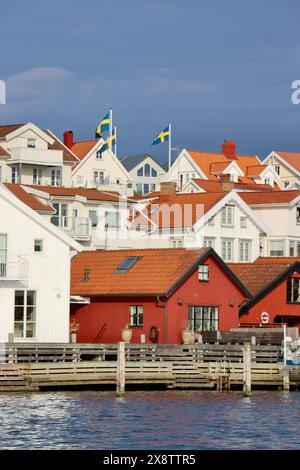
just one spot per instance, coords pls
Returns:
(247, 369)
(286, 378)
(121, 370)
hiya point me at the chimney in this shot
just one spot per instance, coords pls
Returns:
(68, 139)
(228, 149)
(168, 187)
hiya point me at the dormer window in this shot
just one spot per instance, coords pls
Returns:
(31, 144)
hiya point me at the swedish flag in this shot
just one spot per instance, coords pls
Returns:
(103, 126)
(162, 137)
(111, 140)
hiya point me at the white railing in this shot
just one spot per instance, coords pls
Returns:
(76, 227)
(37, 156)
(14, 270)
(99, 182)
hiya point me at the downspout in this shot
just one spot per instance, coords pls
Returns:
(165, 305)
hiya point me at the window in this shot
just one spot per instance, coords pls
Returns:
(38, 246)
(37, 176)
(153, 173)
(31, 143)
(146, 188)
(25, 314)
(208, 242)
(227, 249)
(152, 187)
(112, 219)
(140, 171)
(93, 218)
(203, 272)
(99, 155)
(176, 243)
(55, 177)
(139, 189)
(203, 318)
(243, 222)
(126, 264)
(14, 175)
(147, 170)
(291, 248)
(60, 219)
(99, 177)
(227, 216)
(245, 250)
(293, 290)
(3, 255)
(136, 315)
(285, 184)
(298, 215)
(276, 248)
(277, 169)
(180, 181)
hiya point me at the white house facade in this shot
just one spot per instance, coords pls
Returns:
(145, 172)
(286, 165)
(34, 274)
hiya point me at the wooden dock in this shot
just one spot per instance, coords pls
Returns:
(32, 367)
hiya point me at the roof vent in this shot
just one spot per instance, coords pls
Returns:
(86, 275)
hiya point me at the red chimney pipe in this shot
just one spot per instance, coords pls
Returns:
(228, 149)
(69, 139)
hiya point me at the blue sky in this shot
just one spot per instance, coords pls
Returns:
(214, 69)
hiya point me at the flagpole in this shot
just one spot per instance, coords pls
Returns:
(110, 127)
(170, 146)
(115, 132)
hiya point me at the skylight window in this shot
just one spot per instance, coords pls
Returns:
(126, 264)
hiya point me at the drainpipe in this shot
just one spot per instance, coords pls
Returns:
(165, 305)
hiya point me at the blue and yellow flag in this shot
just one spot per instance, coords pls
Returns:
(103, 126)
(162, 137)
(111, 140)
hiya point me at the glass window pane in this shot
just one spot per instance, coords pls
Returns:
(147, 169)
(30, 314)
(18, 329)
(31, 297)
(19, 297)
(19, 314)
(30, 330)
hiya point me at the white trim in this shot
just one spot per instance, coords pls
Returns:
(67, 148)
(193, 183)
(193, 163)
(283, 161)
(34, 128)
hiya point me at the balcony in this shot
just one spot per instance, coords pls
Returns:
(100, 182)
(32, 156)
(76, 227)
(14, 270)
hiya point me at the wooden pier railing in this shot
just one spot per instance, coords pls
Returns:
(38, 353)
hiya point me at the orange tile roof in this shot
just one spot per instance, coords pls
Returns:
(218, 167)
(81, 149)
(291, 158)
(216, 186)
(275, 197)
(255, 170)
(89, 193)
(205, 159)
(4, 152)
(178, 210)
(257, 276)
(29, 199)
(154, 273)
(67, 155)
(7, 129)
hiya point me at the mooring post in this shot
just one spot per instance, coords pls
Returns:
(286, 378)
(247, 369)
(121, 370)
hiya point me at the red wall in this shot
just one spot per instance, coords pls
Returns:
(219, 291)
(274, 304)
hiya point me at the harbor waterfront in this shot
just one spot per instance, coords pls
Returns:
(150, 420)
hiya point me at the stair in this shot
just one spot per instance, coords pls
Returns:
(188, 375)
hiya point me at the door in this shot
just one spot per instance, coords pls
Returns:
(3, 255)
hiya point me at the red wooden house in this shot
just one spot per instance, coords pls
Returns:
(153, 290)
(275, 287)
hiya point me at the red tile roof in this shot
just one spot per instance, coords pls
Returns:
(81, 149)
(178, 210)
(67, 155)
(257, 276)
(7, 129)
(255, 170)
(205, 159)
(275, 197)
(216, 186)
(291, 158)
(4, 152)
(156, 271)
(218, 167)
(90, 194)
(29, 199)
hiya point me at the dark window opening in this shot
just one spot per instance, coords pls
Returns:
(126, 264)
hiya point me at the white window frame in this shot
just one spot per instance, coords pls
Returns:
(55, 177)
(98, 177)
(25, 321)
(209, 242)
(227, 216)
(243, 222)
(31, 143)
(283, 248)
(244, 251)
(38, 252)
(37, 176)
(224, 254)
(176, 242)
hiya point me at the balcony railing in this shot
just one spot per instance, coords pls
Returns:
(99, 182)
(44, 157)
(75, 227)
(14, 270)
